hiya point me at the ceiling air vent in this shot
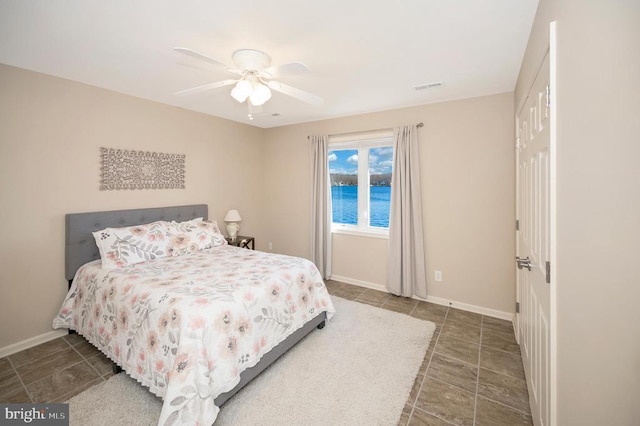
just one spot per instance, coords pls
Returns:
(429, 85)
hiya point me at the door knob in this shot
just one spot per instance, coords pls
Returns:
(523, 263)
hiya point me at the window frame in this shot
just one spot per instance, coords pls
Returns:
(363, 144)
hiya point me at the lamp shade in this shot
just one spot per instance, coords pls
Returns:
(232, 216)
(260, 95)
(241, 91)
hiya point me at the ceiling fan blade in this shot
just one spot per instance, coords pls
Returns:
(205, 87)
(198, 55)
(292, 68)
(296, 93)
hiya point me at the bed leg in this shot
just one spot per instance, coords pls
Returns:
(116, 368)
(69, 288)
(321, 325)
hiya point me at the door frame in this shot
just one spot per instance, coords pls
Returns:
(553, 223)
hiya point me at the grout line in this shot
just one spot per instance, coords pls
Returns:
(67, 396)
(37, 359)
(24, 387)
(457, 360)
(502, 333)
(415, 401)
(436, 416)
(45, 377)
(503, 374)
(413, 309)
(86, 360)
(15, 369)
(475, 402)
(506, 352)
(528, 413)
(424, 378)
(498, 372)
(450, 385)
(454, 323)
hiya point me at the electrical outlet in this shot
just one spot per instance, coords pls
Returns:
(438, 275)
(270, 245)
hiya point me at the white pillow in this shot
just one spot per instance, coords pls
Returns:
(122, 247)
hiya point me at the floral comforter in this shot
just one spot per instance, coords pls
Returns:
(187, 326)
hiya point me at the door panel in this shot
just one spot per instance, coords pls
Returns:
(533, 158)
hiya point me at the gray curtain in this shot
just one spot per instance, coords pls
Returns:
(406, 267)
(320, 205)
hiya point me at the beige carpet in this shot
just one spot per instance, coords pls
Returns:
(358, 370)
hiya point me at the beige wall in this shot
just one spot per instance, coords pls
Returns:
(467, 160)
(50, 134)
(362, 259)
(598, 273)
(51, 130)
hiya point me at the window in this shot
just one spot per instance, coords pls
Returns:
(360, 173)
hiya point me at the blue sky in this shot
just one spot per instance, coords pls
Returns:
(345, 161)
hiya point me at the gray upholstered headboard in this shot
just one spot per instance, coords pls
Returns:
(80, 246)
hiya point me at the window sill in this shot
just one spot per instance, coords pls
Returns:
(382, 234)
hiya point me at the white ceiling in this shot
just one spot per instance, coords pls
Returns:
(365, 56)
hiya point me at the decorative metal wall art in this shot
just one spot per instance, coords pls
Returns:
(124, 169)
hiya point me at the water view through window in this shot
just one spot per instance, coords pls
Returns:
(345, 205)
(346, 177)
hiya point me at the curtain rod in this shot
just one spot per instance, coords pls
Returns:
(421, 124)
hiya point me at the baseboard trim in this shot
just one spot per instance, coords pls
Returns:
(31, 342)
(437, 300)
(470, 308)
(359, 283)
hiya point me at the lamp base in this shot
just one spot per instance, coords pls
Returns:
(232, 230)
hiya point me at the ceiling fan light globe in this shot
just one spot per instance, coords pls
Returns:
(260, 95)
(241, 91)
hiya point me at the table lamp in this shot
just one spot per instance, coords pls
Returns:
(232, 218)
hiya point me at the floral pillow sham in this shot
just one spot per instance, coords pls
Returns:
(192, 236)
(122, 247)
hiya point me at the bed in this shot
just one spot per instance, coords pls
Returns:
(194, 323)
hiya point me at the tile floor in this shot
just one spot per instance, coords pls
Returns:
(471, 375)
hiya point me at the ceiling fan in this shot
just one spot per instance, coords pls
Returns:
(256, 78)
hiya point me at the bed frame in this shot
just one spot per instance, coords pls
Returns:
(80, 248)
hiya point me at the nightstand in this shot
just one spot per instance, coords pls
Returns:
(242, 241)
